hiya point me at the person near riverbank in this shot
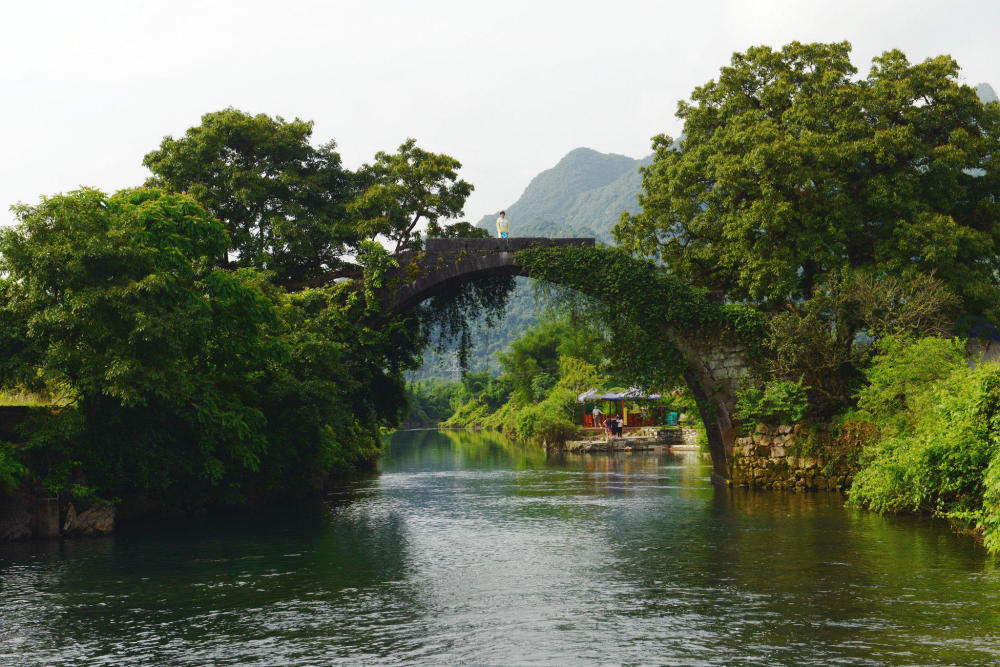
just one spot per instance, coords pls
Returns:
(503, 227)
(613, 427)
(597, 415)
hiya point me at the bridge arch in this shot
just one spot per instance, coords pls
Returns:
(713, 340)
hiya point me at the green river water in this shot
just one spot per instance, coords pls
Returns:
(465, 549)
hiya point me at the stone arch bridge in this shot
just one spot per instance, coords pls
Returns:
(714, 365)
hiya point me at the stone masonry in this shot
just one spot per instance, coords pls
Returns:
(768, 459)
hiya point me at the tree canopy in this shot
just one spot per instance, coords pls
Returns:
(404, 188)
(791, 168)
(189, 381)
(281, 200)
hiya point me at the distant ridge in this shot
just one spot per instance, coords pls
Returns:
(986, 93)
(582, 195)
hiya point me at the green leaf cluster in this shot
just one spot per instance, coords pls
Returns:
(192, 383)
(544, 371)
(281, 200)
(401, 189)
(938, 443)
(791, 169)
(778, 402)
(646, 309)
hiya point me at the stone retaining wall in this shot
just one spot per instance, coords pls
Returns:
(26, 516)
(677, 436)
(768, 459)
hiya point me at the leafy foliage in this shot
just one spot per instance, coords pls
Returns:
(446, 317)
(401, 189)
(11, 469)
(938, 434)
(535, 398)
(779, 402)
(193, 383)
(828, 339)
(280, 200)
(432, 401)
(791, 170)
(644, 308)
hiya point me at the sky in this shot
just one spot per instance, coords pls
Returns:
(507, 87)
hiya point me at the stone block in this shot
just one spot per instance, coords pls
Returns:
(97, 520)
(15, 517)
(47, 518)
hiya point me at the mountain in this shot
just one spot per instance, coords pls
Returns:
(986, 93)
(584, 194)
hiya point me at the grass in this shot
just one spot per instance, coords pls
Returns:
(21, 397)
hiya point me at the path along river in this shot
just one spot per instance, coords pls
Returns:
(465, 549)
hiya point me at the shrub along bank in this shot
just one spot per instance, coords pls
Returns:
(936, 447)
(543, 373)
(191, 384)
(924, 437)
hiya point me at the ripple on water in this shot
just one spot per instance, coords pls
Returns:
(473, 552)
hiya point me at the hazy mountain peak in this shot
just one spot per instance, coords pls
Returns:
(986, 92)
(581, 195)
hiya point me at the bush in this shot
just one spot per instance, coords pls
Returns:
(471, 413)
(11, 470)
(553, 429)
(938, 443)
(779, 401)
(935, 459)
(539, 423)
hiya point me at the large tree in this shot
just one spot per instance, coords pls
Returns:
(281, 200)
(189, 383)
(791, 168)
(118, 299)
(405, 188)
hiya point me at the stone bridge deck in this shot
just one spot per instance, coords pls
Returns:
(447, 262)
(501, 245)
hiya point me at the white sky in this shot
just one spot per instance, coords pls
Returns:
(507, 87)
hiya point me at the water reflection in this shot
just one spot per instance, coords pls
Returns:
(469, 549)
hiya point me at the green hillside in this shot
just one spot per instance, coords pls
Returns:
(582, 195)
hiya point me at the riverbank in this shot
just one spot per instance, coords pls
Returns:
(790, 458)
(25, 516)
(637, 439)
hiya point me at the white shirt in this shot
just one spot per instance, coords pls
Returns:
(502, 225)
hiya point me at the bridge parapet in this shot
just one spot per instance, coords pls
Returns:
(502, 245)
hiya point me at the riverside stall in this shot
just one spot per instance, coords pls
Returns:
(636, 408)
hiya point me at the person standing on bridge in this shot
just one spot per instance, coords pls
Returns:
(503, 228)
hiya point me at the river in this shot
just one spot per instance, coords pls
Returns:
(466, 549)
